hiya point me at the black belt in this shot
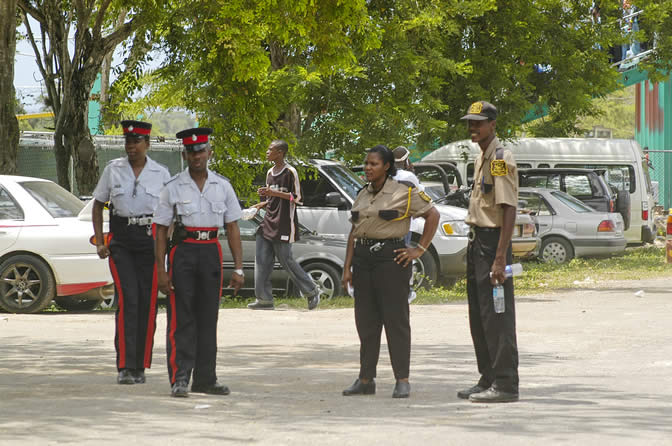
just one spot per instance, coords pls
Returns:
(202, 235)
(373, 241)
(142, 220)
(482, 229)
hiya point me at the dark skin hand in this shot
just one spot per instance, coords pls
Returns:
(406, 255)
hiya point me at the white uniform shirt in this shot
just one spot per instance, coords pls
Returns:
(406, 175)
(216, 205)
(130, 196)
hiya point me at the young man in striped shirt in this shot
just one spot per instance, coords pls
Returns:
(279, 230)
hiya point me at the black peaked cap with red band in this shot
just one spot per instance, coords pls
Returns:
(136, 128)
(195, 139)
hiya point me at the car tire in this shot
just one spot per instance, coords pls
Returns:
(424, 271)
(623, 207)
(26, 284)
(556, 250)
(109, 302)
(326, 276)
(77, 303)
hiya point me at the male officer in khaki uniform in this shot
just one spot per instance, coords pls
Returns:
(492, 214)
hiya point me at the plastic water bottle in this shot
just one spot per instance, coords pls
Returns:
(498, 298)
(498, 290)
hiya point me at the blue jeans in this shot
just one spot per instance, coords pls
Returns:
(266, 251)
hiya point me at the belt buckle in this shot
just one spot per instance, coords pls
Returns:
(132, 220)
(203, 235)
(376, 247)
(472, 234)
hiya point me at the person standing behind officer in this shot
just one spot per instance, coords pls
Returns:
(131, 185)
(279, 230)
(381, 268)
(491, 215)
(198, 202)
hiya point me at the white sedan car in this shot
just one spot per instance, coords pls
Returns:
(45, 253)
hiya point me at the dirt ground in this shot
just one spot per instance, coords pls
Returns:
(595, 367)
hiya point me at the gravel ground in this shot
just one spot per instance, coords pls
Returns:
(595, 366)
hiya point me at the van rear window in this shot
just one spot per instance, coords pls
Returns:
(621, 177)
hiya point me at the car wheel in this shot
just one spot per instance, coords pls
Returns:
(424, 271)
(77, 303)
(623, 207)
(326, 276)
(556, 250)
(26, 284)
(109, 302)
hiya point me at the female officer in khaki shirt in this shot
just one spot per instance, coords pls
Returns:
(381, 268)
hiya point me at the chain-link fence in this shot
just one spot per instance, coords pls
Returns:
(36, 154)
(660, 168)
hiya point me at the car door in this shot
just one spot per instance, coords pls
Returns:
(586, 189)
(535, 204)
(11, 220)
(325, 209)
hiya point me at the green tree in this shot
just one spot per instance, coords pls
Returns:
(9, 126)
(69, 71)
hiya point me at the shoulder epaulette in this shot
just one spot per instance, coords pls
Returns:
(222, 176)
(406, 183)
(499, 153)
(173, 178)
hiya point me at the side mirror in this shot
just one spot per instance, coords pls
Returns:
(334, 199)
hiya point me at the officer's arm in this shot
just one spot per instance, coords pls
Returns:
(235, 245)
(346, 280)
(432, 218)
(505, 235)
(97, 217)
(160, 257)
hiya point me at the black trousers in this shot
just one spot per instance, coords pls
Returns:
(494, 334)
(193, 308)
(381, 299)
(135, 279)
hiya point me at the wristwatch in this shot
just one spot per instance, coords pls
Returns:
(240, 272)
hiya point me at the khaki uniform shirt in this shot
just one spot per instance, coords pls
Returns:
(393, 199)
(484, 207)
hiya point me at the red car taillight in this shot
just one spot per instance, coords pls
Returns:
(645, 211)
(606, 226)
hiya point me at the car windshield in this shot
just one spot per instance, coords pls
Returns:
(571, 202)
(344, 178)
(57, 201)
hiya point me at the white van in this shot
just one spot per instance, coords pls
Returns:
(621, 158)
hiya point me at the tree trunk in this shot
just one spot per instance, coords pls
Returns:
(9, 126)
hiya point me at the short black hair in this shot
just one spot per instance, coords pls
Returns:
(387, 156)
(280, 144)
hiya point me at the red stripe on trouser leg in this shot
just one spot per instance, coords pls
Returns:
(151, 323)
(121, 335)
(221, 272)
(172, 324)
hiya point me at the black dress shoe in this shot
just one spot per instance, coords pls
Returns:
(493, 395)
(212, 389)
(402, 389)
(180, 389)
(125, 377)
(139, 376)
(466, 393)
(359, 388)
(260, 305)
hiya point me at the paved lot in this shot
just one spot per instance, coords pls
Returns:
(596, 367)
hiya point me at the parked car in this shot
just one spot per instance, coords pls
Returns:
(322, 257)
(568, 228)
(45, 252)
(589, 186)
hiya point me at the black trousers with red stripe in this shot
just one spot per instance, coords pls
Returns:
(193, 308)
(135, 279)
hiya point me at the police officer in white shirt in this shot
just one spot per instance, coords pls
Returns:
(198, 202)
(131, 185)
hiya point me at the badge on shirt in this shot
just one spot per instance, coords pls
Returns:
(498, 168)
(424, 196)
